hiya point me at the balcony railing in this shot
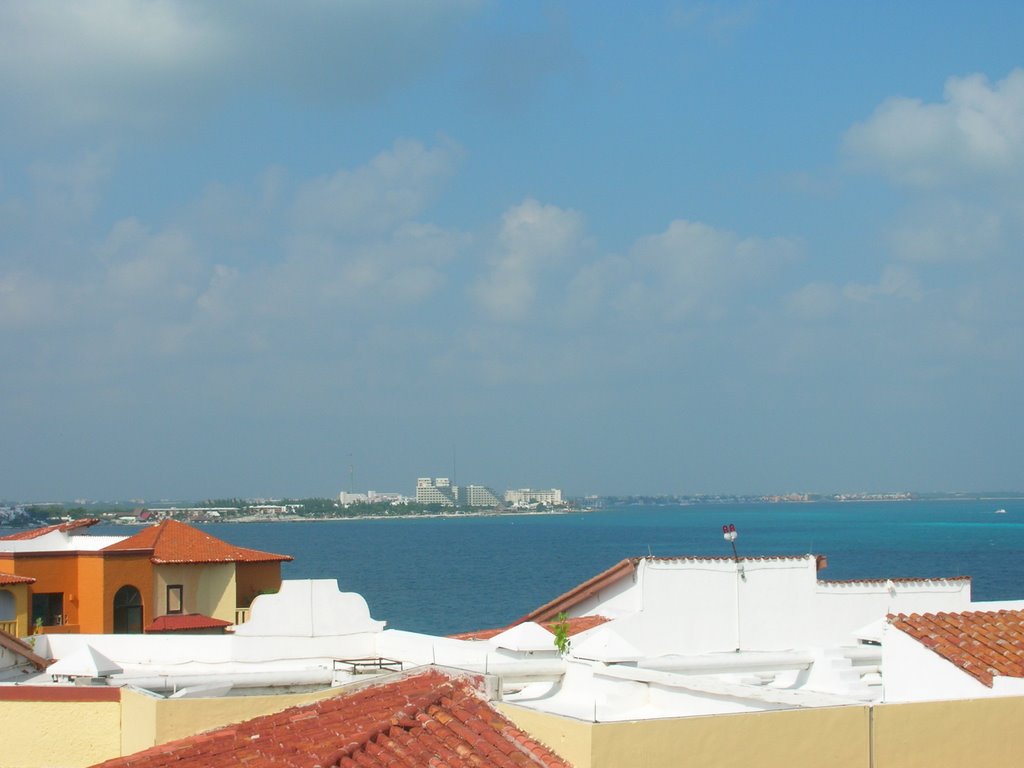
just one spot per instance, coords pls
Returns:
(241, 615)
(10, 627)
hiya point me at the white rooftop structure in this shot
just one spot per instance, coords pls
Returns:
(683, 636)
(85, 662)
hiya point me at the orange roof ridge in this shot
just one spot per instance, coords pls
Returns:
(425, 717)
(172, 541)
(35, 533)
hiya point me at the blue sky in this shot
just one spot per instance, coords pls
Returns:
(691, 247)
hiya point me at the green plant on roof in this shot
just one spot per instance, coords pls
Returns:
(561, 630)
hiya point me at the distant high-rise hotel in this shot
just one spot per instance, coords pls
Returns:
(441, 491)
(480, 496)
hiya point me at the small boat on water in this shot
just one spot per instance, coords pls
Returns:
(1000, 512)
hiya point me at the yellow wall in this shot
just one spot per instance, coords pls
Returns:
(833, 736)
(950, 733)
(156, 721)
(37, 733)
(570, 739)
(253, 579)
(21, 617)
(209, 588)
(982, 732)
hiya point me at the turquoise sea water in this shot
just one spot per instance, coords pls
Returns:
(446, 575)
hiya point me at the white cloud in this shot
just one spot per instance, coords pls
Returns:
(534, 239)
(692, 268)
(71, 190)
(976, 131)
(27, 301)
(66, 65)
(154, 269)
(813, 301)
(897, 281)
(947, 231)
(393, 187)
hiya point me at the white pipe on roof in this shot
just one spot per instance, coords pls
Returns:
(743, 661)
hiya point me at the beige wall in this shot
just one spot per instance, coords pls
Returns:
(569, 738)
(978, 732)
(21, 617)
(983, 732)
(147, 720)
(834, 736)
(209, 588)
(62, 734)
(48, 733)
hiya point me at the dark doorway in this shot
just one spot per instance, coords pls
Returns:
(127, 611)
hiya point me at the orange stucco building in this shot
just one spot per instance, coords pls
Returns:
(168, 576)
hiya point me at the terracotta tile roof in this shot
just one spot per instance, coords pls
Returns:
(549, 611)
(576, 624)
(982, 643)
(35, 533)
(184, 622)
(171, 541)
(423, 719)
(24, 650)
(9, 578)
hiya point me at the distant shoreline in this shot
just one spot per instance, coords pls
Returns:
(425, 515)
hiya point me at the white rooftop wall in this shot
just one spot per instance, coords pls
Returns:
(309, 608)
(913, 672)
(694, 605)
(58, 541)
(700, 606)
(840, 608)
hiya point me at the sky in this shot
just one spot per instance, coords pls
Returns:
(275, 249)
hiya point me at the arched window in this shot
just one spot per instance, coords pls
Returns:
(127, 611)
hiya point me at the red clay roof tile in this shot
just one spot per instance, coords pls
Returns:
(7, 579)
(171, 541)
(982, 643)
(183, 622)
(423, 719)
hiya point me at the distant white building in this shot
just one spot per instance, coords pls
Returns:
(371, 497)
(436, 491)
(479, 496)
(524, 497)
(441, 491)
